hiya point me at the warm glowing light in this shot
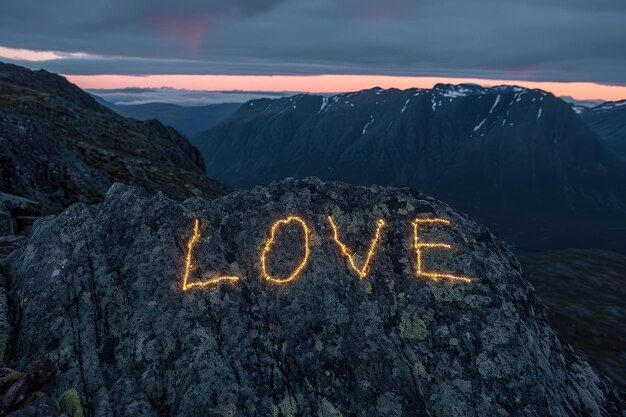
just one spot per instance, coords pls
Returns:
(271, 241)
(419, 246)
(212, 281)
(26, 54)
(363, 270)
(189, 266)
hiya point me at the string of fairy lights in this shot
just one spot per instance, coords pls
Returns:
(271, 241)
(418, 245)
(189, 265)
(362, 271)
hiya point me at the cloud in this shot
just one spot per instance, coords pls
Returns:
(535, 40)
(132, 96)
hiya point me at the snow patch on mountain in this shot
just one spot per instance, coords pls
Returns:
(406, 103)
(495, 104)
(479, 125)
(367, 124)
(324, 103)
(611, 105)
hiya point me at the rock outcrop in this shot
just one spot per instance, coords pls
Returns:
(7, 225)
(101, 297)
(59, 146)
(17, 216)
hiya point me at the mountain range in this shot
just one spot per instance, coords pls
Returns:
(188, 120)
(608, 121)
(521, 161)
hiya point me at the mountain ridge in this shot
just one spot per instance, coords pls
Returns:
(188, 120)
(59, 146)
(608, 121)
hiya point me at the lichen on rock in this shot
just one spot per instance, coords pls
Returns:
(69, 403)
(412, 328)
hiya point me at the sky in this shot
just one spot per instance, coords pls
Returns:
(569, 47)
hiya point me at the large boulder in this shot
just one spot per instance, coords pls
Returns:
(102, 297)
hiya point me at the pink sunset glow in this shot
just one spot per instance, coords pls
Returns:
(331, 83)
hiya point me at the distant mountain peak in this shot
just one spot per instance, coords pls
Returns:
(610, 105)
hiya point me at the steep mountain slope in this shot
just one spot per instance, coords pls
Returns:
(608, 121)
(188, 120)
(108, 308)
(522, 161)
(59, 146)
(584, 292)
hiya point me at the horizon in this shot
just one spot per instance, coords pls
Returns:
(330, 84)
(313, 84)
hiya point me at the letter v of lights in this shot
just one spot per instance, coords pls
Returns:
(363, 271)
(189, 265)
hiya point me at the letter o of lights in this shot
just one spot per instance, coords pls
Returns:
(271, 241)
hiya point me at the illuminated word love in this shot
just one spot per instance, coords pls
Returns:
(362, 270)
